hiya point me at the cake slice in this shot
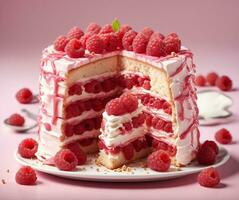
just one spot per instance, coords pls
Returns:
(122, 138)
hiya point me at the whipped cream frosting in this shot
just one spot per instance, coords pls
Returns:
(180, 71)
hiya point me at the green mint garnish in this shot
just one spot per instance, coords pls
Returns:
(115, 25)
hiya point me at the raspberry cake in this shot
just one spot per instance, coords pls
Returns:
(140, 84)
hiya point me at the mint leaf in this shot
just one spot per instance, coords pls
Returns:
(115, 25)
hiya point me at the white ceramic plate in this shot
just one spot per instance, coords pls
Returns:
(134, 173)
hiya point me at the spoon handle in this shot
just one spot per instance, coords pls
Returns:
(27, 129)
(30, 114)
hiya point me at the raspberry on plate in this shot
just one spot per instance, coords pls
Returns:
(93, 27)
(75, 33)
(74, 49)
(155, 47)
(172, 43)
(224, 83)
(115, 107)
(128, 39)
(27, 148)
(200, 80)
(140, 43)
(16, 120)
(211, 144)
(26, 176)
(60, 43)
(212, 78)
(129, 101)
(95, 44)
(110, 41)
(209, 177)
(206, 155)
(24, 96)
(159, 161)
(65, 160)
(223, 136)
(80, 155)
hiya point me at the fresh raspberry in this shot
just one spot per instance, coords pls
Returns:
(27, 148)
(120, 33)
(115, 107)
(128, 39)
(129, 101)
(138, 121)
(106, 29)
(75, 89)
(94, 44)
(147, 85)
(223, 136)
(72, 110)
(16, 120)
(159, 145)
(80, 155)
(24, 96)
(74, 49)
(127, 126)
(60, 43)
(158, 103)
(26, 176)
(211, 144)
(224, 83)
(65, 160)
(147, 32)
(87, 105)
(93, 27)
(68, 130)
(159, 161)
(200, 80)
(211, 78)
(168, 127)
(209, 177)
(155, 47)
(89, 124)
(79, 129)
(97, 105)
(145, 99)
(130, 82)
(128, 151)
(75, 33)
(206, 155)
(157, 35)
(110, 41)
(159, 123)
(93, 87)
(86, 142)
(148, 120)
(108, 85)
(84, 39)
(98, 121)
(140, 43)
(139, 144)
(172, 43)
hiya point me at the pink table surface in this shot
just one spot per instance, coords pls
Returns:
(210, 28)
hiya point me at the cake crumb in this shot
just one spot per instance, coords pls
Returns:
(124, 168)
(4, 182)
(97, 162)
(8, 170)
(97, 169)
(174, 54)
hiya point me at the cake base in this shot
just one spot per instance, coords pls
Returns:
(113, 161)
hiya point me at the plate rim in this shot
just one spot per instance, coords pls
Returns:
(122, 177)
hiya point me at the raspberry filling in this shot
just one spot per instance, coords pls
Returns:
(80, 128)
(127, 150)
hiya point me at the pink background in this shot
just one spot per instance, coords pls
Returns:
(209, 28)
